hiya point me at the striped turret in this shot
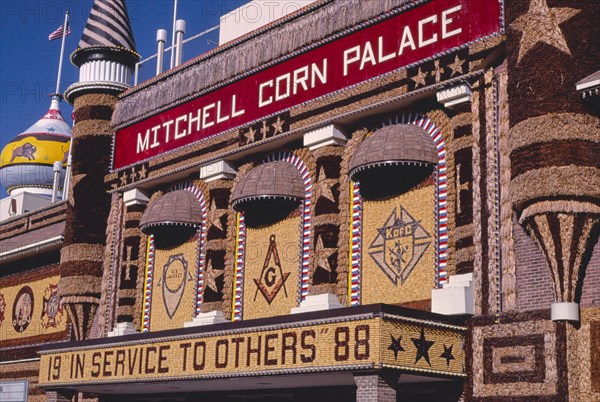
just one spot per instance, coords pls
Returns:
(108, 25)
(554, 137)
(106, 56)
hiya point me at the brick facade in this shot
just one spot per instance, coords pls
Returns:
(54, 396)
(590, 296)
(379, 387)
(534, 285)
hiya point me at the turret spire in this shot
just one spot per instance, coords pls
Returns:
(106, 55)
(108, 25)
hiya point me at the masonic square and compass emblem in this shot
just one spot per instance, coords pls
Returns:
(174, 278)
(272, 278)
(399, 245)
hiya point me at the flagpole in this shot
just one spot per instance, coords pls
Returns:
(67, 182)
(173, 34)
(62, 53)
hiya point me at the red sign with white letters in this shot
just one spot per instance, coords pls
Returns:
(405, 38)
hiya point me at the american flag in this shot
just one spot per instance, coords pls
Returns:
(59, 32)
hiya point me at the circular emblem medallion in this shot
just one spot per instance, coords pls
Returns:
(23, 309)
(175, 276)
(2, 308)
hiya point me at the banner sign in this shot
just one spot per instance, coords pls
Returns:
(365, 343)
(418, 33)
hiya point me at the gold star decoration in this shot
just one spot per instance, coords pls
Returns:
(250, 135)
(278, 126)
(322, 255)
(265, 129)
(214, 216)
(419, 78)
(437, 73)
(541, 24)
(323, 185)
(456, 67)
(124, 179)
(210, 277)
(143, 172)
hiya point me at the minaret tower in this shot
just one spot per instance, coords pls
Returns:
(105, 57)
(28, 162)
(554, 139)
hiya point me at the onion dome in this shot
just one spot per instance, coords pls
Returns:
(176, 208)
(392, 160)
(27, 162)
(106, 55)
(270, 181)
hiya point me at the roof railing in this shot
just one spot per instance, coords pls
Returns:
(162, 50)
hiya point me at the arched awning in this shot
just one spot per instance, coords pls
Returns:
(271, 181)
(176, 208)
(398, 144)
(393, 160)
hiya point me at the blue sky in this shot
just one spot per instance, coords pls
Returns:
(29, 62)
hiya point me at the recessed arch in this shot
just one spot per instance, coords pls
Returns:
(304, 269)
(441, 213)
(200, 257)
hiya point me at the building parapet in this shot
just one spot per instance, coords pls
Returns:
(372, 337)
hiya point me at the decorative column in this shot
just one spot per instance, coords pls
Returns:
(329, 261)
(106, 56)
(131, 264)
(554, 141)
(87, 211)
(217, 288)
(456, 296)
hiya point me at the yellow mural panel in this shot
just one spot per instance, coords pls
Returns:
(251, 351)
(376, 340)
(272, 264)
(398, 250)
(31, 308)
(174, 286)
(36, 148)
(422, 347)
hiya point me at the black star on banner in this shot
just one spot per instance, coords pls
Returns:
(423, 347)
(395, 346)
(447, 354)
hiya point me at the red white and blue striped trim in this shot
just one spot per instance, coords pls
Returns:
(306, 218)
(239, 267)
(148, 285)
(355, 248)
(306, 226)
(200, 256)
(441, 180)
(441, 207)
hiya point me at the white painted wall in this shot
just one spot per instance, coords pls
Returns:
(254, 15)
(455, 297)
(104, 70)
(23, 202)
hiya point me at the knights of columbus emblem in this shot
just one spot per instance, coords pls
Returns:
(399, 245)
(272, 278)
